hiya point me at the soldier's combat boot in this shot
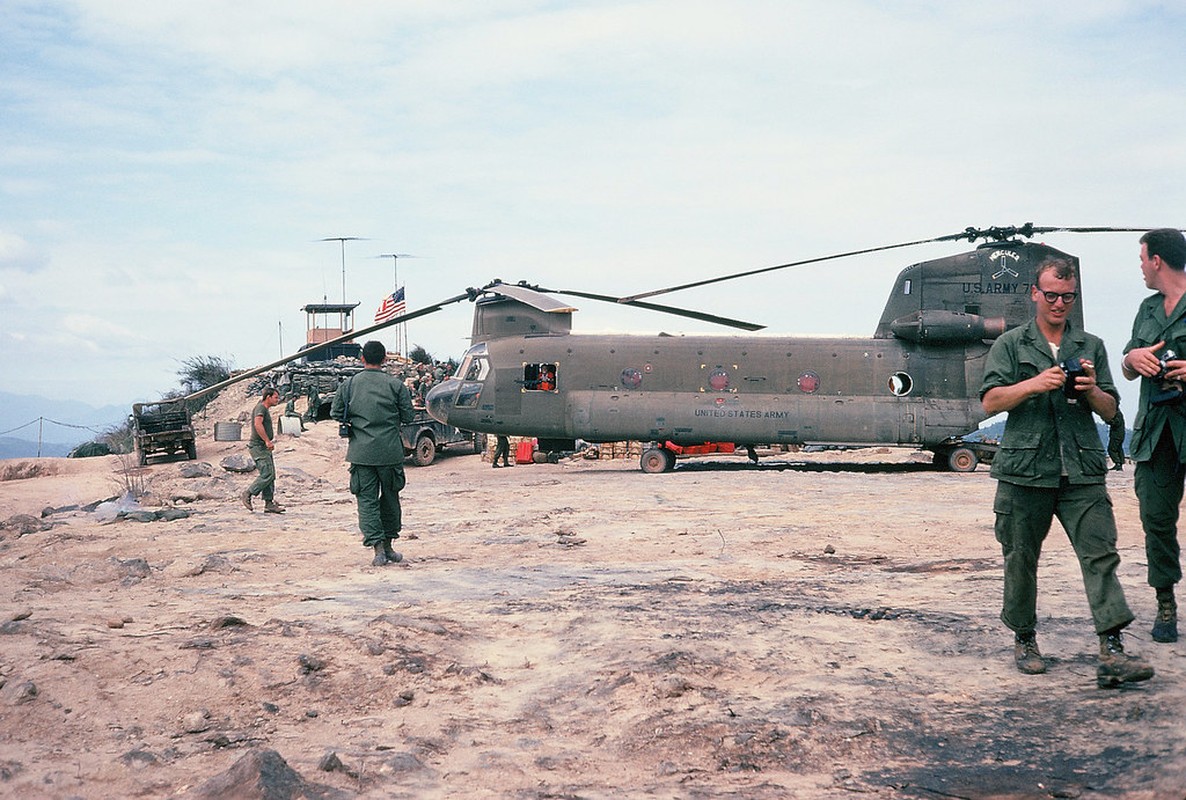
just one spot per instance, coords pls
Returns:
(1026, 655)
(1165, 627)
(392, 556)
(273, 508)
(246, 499)
(380, 557)
(1116, 666)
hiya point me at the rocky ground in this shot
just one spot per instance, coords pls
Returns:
(814, 626)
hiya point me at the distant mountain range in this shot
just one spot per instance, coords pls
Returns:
(56, 425)
(20, 448)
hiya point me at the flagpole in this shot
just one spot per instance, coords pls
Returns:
(403, 351)
(401, 330)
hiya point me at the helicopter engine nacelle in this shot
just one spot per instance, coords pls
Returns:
(946, 327)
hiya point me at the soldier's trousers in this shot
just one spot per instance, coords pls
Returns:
(265, 483)
(376, 489)
(1024, 515)
(1158, 484)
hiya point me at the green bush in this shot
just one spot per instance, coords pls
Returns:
(198, 373)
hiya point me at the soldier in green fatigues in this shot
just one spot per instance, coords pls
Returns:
(1158, 446)
(1051, 463)
(314, 403)
(375, 405)
(261, 445)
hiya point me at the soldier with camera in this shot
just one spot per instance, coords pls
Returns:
(1050, 377)
(1159, 435)
(370, 406)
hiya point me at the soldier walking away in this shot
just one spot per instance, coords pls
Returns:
(261, 445)
(371, 406)
(1158, 447)
(1050, 377)
(502, 449)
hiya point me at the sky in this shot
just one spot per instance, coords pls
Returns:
(167, 170)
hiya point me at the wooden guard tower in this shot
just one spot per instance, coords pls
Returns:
(326, 321)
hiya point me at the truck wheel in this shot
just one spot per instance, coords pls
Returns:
(962, 459)
(655, 460)
(425, 451)
(191, 450)
(479, 443)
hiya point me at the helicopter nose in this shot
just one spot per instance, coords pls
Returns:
(439, 399)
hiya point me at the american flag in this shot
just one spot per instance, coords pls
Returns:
(393, 305)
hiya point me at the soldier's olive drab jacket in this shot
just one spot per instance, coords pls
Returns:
(1150, 327)
(377, 404)
(1045, 435)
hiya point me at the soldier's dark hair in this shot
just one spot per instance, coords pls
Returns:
(374, 352)
(1061, 267)
(1167, 243)
(268, 392)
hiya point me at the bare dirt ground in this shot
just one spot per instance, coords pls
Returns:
(815, 626)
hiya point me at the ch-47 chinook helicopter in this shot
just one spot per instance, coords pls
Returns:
(915, 382)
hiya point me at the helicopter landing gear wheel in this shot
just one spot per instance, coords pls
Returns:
(962, 459)
(656, 459)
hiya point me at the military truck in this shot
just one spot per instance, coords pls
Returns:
(424, 436)
(164, 427)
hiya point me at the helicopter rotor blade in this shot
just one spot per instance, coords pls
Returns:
(679, 312)
(971, 234)
(1000, 233)
(541, 298)
(720, 278)
(470, 294)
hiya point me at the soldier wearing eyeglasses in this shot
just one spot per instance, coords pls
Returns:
(1050, 377)
(1159, 434)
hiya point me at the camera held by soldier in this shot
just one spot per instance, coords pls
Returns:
(1168, 391)
(1072, 368)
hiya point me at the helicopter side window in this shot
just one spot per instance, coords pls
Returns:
(539, 377)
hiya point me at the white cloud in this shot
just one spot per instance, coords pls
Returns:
(173, 164)
(18, 254)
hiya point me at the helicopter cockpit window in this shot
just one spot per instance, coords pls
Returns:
(475, 366)
(467, 395)
(477, 369)
(539, 377)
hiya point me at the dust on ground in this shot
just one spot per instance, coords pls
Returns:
(813, 626)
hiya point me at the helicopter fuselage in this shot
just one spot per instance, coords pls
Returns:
(915, 382)
(694, 389)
